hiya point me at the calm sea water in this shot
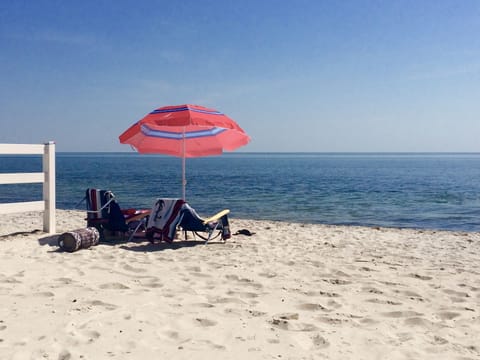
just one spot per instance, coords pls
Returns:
(431, 191)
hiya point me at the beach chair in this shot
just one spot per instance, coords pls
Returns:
(104, 213)
(168, 215)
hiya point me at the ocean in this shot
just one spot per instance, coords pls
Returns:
(422, 191)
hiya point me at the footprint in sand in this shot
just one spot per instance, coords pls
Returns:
(91, 335)
(194, 268)
(80, 273)
(174, 335)
(372, 290)
(328, 294)
(413, 295)
(84, 336)
(153, 284)
(200, 275)
(334, 304)
(384, 302)
(341, 273)
(225, 300)
(44, 294)
(448, 315)
(320, 342)
(133, 269)
(418, 321)
(369, 321)
(267, 274)
(242, 294)
(421, 277)
(437, 340)
(456, 293)
(273, 341)
(64, 355)
(288, 316)
(337, 281)
(312, 307)
(204, 305)
(292, 326)
(9, 280)
(400, 314)
(256, 313)
(454, 299)
(332, 320)
(65, 280)
(205, 322)
(366, 268)
(288, 322)
(107, 306)
(244, 281)
(114, 286)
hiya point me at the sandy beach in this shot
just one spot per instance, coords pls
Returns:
(290, 291)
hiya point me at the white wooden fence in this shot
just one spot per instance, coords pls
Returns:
(47, 177)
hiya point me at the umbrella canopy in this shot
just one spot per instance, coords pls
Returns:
(185, 131)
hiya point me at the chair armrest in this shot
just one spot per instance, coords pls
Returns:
(216, 216)
(140, 216)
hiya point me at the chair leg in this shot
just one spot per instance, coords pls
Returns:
(210, 232)
(140, 223)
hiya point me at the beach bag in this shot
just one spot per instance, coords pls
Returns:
(79, 239)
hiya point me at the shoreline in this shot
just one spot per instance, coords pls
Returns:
(292, 290)
(77, 217)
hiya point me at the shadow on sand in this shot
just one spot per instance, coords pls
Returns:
(50, 240)
(175, 245)
(136, 244)
(21, 233)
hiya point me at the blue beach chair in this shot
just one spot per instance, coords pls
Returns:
(169, 214)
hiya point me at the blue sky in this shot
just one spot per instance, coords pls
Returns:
(304, 75)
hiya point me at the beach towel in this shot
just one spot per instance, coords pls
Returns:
(164, 218)
(98, 203)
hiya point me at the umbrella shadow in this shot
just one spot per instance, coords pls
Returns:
(141, 245)
(175, 245)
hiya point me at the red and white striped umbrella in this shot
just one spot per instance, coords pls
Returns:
(185, 131)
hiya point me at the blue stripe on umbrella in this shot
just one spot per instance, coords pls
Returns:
(160, 111)
(178, 135)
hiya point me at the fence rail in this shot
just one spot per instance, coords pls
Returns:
(47, 177)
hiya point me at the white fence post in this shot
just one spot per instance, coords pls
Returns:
(47, 177)
(49, 187)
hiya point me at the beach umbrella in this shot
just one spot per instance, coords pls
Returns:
(185, 131)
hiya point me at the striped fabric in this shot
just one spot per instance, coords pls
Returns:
(166, 214)
(98, 203)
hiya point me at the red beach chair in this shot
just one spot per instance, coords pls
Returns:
(104, 213)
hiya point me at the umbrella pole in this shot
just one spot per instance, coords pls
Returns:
(184, 179)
